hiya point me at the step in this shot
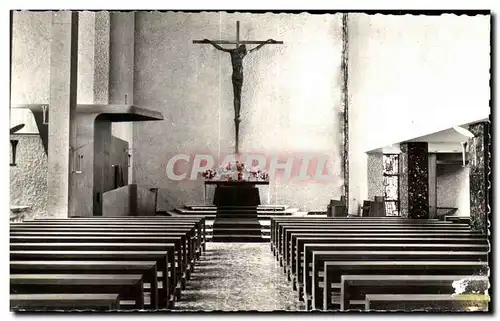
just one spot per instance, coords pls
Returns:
(213, 207)
(213, 216)
(240, 226)
(225, 231)
(239, 238)
(233, 210)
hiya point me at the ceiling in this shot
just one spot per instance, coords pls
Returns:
(444, 136)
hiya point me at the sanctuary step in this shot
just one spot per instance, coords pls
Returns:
(244, 227)
(260, 207)
(236, 223)
(261, 210)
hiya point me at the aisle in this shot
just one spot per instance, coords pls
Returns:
(238, 276)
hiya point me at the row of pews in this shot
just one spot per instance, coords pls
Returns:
(103, 263)
(382, 263)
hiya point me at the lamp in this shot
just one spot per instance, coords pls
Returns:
(14, 143)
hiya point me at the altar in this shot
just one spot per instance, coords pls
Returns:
(235, 193)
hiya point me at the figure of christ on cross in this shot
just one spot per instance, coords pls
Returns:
(237, 55)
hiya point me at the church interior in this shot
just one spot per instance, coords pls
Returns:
(216, 161)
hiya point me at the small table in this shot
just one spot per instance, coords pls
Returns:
(235, 193)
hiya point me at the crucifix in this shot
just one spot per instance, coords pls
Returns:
(237, 55)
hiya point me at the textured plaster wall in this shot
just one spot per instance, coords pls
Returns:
(28, 180)
(86, 41)
(410, 76)
(375, 170)
(30, 66)
(30, 84)
(452, 188)
(290, 99)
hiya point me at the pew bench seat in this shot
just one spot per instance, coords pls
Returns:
(426, 302)
(65, 302)
(354, 288)
(145, 268)
(128, 286)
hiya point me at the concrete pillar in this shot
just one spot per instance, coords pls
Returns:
(375, 173)
(414, 180)
(432, 185)
(101, 58)
(86, 44)
(121, 72)
(62, 125)
(479, 176)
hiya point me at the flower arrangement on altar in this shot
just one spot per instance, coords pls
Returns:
(235, 172)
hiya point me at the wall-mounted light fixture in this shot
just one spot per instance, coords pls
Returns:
(464, 132)
(45, 118)
(129, 155)
(77, 163)
(14, 142)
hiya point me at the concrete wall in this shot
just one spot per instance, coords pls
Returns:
(410, 76)
(452, 188)
(290, 99)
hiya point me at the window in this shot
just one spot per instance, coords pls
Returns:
(391, 184)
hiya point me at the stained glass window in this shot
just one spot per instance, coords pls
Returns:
(391, 184)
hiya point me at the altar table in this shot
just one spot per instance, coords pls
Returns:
(235, 193)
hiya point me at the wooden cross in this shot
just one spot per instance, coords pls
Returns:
(237, 55)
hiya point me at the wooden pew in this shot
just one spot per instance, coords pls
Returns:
(165, 293)
(64, 301)
(427, 302)
(199, 221)
(183, 255)
(283, 229)
(394, 263)
(299, 260)
(44, 228)
(182, 262)
(372, 254)
(174, 282)
(145, 268)
(200, 235)
(288, 247)
(285, 245)
(128, 286)
(43, 225)
(276, 221)
(354, 288)
(77, 235)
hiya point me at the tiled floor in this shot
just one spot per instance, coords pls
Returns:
(238, 277)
